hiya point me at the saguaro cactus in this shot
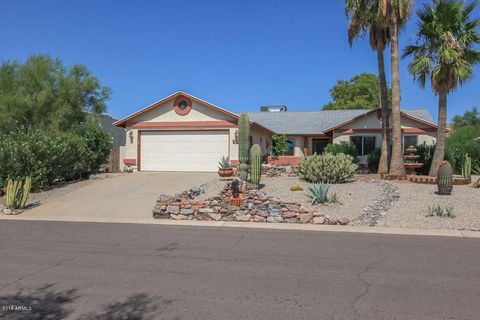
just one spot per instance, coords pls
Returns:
(255, 164)
(467, 167)
(17, 193)
(243, 144)
(445, 178)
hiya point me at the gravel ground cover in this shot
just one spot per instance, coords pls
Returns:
(38, 198)
(371, 201)
(353, 196)
(412, 208)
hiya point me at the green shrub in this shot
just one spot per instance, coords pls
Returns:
(425, 151)
(342, 147)
(48, 157)
(374, 159)
(327, 168)
(279, 145)
(459, 142)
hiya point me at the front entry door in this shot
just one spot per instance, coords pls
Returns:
(318, 145)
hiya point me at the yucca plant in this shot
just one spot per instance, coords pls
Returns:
(318, 193)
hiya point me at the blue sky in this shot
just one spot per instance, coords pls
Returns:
(236, 54)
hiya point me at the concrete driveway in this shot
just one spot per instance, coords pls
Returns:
(129, 196)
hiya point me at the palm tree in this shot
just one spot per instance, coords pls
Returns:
(364, 18)
(445, 54)
(394, 14)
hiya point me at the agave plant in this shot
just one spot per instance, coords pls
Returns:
(224, 163)
(318, 193)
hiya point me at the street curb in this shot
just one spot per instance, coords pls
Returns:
(273, 226)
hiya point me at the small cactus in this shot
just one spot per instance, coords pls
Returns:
(255, 164)
(18, 193)
(243, 144)
(467, 167)
(445, 178)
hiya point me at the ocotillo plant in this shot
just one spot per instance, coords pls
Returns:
(255, 164)
(17, 193)
(243, 144)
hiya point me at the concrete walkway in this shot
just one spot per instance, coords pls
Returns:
(125, 197)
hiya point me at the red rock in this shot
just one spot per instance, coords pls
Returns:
(258, 218)
(289, 214)
(292, 207)
(215, 216)
(305, 217)
(343, 221)
(178, 217)
(243, 218)
(302, 209)
(262, 213)
(319, 220)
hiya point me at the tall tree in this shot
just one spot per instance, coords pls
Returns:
(364, 18)
(43, 93)
(360, 92)
(394, 14)
(445, 54)
(469, 118)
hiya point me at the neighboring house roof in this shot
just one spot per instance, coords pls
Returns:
(118, 134)
(321, 121)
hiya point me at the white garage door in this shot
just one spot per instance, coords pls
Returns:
(182, 150)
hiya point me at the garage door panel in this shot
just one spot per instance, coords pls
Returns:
(183, 151)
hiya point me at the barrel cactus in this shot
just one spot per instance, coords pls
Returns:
(18, 192)
(243, 144)
(255, 164)
(445, 178)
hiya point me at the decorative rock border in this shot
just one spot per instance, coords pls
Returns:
(457, 181)
(382, 203)
(274, 170)
(257, 207)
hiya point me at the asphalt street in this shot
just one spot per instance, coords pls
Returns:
(58, 270)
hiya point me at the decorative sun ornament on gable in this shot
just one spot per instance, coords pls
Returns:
(182, 105)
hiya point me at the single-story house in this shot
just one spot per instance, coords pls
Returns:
(184, 133)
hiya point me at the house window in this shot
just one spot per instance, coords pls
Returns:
(364, 144)
(318, 145)
(291, 147)
(410, 141)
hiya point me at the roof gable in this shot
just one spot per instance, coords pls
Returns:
(150, 108)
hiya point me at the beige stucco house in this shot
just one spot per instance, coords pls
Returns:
(184, 133)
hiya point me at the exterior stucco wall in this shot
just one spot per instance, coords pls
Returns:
(372, 122)
(261, 137)
(165, 112)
